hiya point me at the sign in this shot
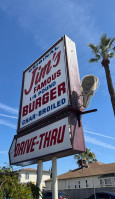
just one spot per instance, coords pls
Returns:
(49, 117)
(49, 84)
(61, 138)
(51, 139)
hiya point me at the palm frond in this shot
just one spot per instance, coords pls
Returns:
(111, 55)
(104, 50)
(94, 48)
(103, 47)
(76, 156)
(93, 60)
(104, 42)
(107, 41)
(94, 159)
(104, 39)
(98, 56)
(111, 42)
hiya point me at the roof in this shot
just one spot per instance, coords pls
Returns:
(93, 169)
(32, 170)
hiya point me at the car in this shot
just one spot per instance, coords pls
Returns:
(102, 195)
(48, 195)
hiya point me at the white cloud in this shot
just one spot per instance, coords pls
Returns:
(9, 116)
(6, 123)
(8, 109)
(98, 134)
(98, 142)
(54, 17)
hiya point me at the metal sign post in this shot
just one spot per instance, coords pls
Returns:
(54, 178)
(39, 176)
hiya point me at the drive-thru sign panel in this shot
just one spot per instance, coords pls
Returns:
(58, 138)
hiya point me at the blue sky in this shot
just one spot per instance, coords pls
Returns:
(27, 29)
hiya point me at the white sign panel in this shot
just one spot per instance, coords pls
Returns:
(47, 140)
(45, 86)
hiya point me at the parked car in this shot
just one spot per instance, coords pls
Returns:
(48, 195)
(102, 195)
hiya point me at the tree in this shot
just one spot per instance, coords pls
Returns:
(105, 50)
(10, 187)
(36, 192)
(85, 158)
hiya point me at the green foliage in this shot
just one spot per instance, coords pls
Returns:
(10, 187)
(93, 60)
(105, 49)
(34, 189)
(88, 156)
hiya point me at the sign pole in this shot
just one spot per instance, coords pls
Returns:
(39, 176)
(54, 178)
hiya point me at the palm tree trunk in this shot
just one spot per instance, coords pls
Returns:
(110, 85)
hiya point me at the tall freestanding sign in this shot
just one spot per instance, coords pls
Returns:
(49, 117)
(49, 124)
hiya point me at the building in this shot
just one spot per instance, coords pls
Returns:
(30, 175)
(82, 182)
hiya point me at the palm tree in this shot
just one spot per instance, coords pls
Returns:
(105, 50)
(85, 158)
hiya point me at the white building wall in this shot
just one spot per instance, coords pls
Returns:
(61, 184)
(76, 183)
(113, 181)
(44, 178)
(107, 181)
(32, 177)
(48, 185)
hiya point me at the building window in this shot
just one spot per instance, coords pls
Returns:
(78, 184)
(27, 176)
(107, 181)
(86, 183)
